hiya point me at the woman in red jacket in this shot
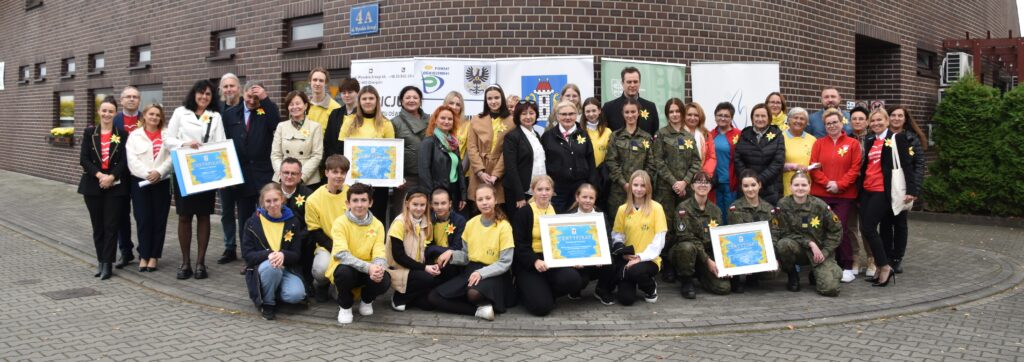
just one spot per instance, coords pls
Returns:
(835, 165)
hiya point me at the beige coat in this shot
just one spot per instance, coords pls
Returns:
(414, 248)
(305, 144)
(482, 157)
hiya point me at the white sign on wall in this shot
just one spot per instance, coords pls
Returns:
(1, 75)
(389, 76)
(440, 76)
(742, 84)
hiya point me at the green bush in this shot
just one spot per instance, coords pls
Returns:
(1009, 151)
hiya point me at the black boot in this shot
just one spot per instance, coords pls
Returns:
(99, 270)
(107, 271)
(227, 257)
(269, 312)
(668, 274)
(689, 292)
(810, 278)
(737, 284)
(793, 283)
(126, 258)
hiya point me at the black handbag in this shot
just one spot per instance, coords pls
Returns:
(255, 286)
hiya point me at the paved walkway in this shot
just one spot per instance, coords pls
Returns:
(957, 300)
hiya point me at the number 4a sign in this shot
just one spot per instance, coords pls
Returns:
(363, 19)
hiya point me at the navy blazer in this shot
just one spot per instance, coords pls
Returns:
(253, 145)
(91, 161)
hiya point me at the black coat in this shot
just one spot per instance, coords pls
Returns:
(522, 234)
(434, 166)
(333, 145)
(902, 146)
(519, 158)
(253, 145)
(293, 204)
(255, 248)
(90, 159)
(569, 162)
(917, 157)
(612, 111)
(767, 157)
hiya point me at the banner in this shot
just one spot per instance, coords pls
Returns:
(1, 75)
(742, 84)
(439, 76)
(389, 76)
(659, 82)
(542, 79)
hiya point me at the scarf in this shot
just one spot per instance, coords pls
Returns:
(450, 145)
(286, 214)
(365, 221)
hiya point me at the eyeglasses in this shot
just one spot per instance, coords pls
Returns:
(130, 97)
(289, 173)
(701, 183)
(722, 117)
(527, 101)
(571, 114)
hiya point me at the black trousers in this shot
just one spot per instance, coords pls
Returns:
(604, 274)
(124, 232)
(538, 290)
(246, 208)
(884, 232)
(105, 216)
(347, 278)
(417, 286)
(152, 205)
(640, 276)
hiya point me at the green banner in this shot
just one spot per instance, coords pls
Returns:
(658, 81)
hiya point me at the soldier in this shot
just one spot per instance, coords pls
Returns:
(630, 151)
(693, 252)
(749, 208)
(676, 160)
(808, 234)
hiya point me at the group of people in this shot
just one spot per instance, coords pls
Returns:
(467, 238)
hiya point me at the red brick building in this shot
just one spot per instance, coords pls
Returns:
(867, 49)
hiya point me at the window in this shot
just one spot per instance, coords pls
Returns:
(141, 55)
(67, 67)
(222, 45)
(40, 72)
(32, 4)
(304, 33)
(150, 94)
(97, 96)
(97, 62)
(926, 63)
(24, 74)
(65, 109)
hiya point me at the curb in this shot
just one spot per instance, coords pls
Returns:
(1008, 222)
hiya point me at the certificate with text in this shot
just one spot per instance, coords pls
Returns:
(377, 162)
(577, 239)
(743, 248)
(209, 167)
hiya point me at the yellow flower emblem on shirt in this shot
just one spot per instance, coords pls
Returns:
(646, 144)
(688, 144)
(305, 132)
(115, 138)
(770, 136)
(260, 112)
(815, 222)
(644, 113)
(846, 121)
(735, 139)
(371, 233)
(712, 223)
(499, 127)
(288, 236)
(910, 150)
(842, 151)
(300, 200)
(205, 118)
(580, 139)
(890, 142)
(450, 230)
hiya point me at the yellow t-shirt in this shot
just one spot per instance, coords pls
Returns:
(440, 231)
(798, 150)
(363, 242)
(345, 121)
(639, 228)
(537, 213)
(600, 144)
(368, 130)
(397, 230)
(484, 243)
(273, 232)
(323, 207)
(462, 134)
(320, 114)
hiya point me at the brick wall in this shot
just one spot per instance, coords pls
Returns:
(814, 42)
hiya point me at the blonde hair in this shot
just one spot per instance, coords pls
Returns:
(879, 110)
(462, 104)
(579, 190)
(378, 119)
(270, 187)
(542, 178)
(406, 216)
(829, 113)
(645, 202)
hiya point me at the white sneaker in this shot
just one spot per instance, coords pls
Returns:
(344, 315)
(485, 312)
(397, 307)
(856, 271)
(870, 273)
(848, 276)
(653, 297)
(365, 308)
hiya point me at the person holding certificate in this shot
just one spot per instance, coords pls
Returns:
(749, 208)
(149, 160)
(358, 252)
(192, 125)
(692, 255)
(808, 234)
(637, 239)
(369, 122)
(411, 274)
(484, 287)
(586, 203)
(104, 168)
(538, 285)
(271, 244)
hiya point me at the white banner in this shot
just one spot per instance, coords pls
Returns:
(742, 84)
(1, 75)
(542, 79)
(439, 76)
(389, 76)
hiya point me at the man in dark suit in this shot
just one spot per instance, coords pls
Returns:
(251, 127)
(127, 120)
(612, 110)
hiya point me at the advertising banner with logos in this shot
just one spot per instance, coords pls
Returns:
(389, 76)
(742, 84)
(542, 79)
(439, 76)
(659, 82)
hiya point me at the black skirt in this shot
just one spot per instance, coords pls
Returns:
(194, 204)
(497, 289)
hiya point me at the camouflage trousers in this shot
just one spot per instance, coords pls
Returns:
(689, 260)
(827, 274)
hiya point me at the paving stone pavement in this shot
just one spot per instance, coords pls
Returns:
(958, 300)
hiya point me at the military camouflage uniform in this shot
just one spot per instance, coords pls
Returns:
(795, 226)
(694, 248)
(626, 154)
(675, 158)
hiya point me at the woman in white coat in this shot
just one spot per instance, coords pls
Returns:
(193, 125)
(150, 161)
(298, 138)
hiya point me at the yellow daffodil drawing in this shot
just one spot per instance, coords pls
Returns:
(115, 139)
(815, 222)
(842, 151)
(645, 114)
(300, 200)
(712, 223)
(371, 233)
(260, 112)
(770, 136)
(450, 230)
(580, 139)
(288, 236)
(688, 144)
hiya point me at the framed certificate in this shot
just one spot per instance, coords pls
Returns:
(743, 248)
(210, 167)
(376, 161)
(571, 240)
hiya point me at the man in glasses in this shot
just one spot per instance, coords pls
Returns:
(128, 120)
(612, 110)
(829, 99)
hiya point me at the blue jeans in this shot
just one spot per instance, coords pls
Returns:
(724, 198)
(227, 217)
(280, 282)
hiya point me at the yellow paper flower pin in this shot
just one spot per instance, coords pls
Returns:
(712, 223)
(580, 139)
(842, 151)
(450, 230)
(260, 111)
(688, 144)
(300, 200)
(288, 236)
(645, 114)
(735, 139)
(890, 142)
(115, 138)
(815, 222)
(646, 144)
(770, 136)
(910, 150)
(205, 118)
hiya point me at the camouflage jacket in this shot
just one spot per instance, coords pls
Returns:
(812, 220)
(628, 153)
(695, 224)
(676, 157)
(742, 212)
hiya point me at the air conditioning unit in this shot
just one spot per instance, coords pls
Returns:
(954, 66)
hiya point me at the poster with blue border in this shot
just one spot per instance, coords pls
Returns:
(211, 166)
(377, 162)
(575, 240)
(743, 248)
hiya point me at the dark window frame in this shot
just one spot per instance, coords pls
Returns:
(931, 59)
(93, 69)
(65, 72)
(56, 100)
(32, 4)
(24, 78)
(216, 53)
(290, 45)
(136, 55)
(40, 70)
